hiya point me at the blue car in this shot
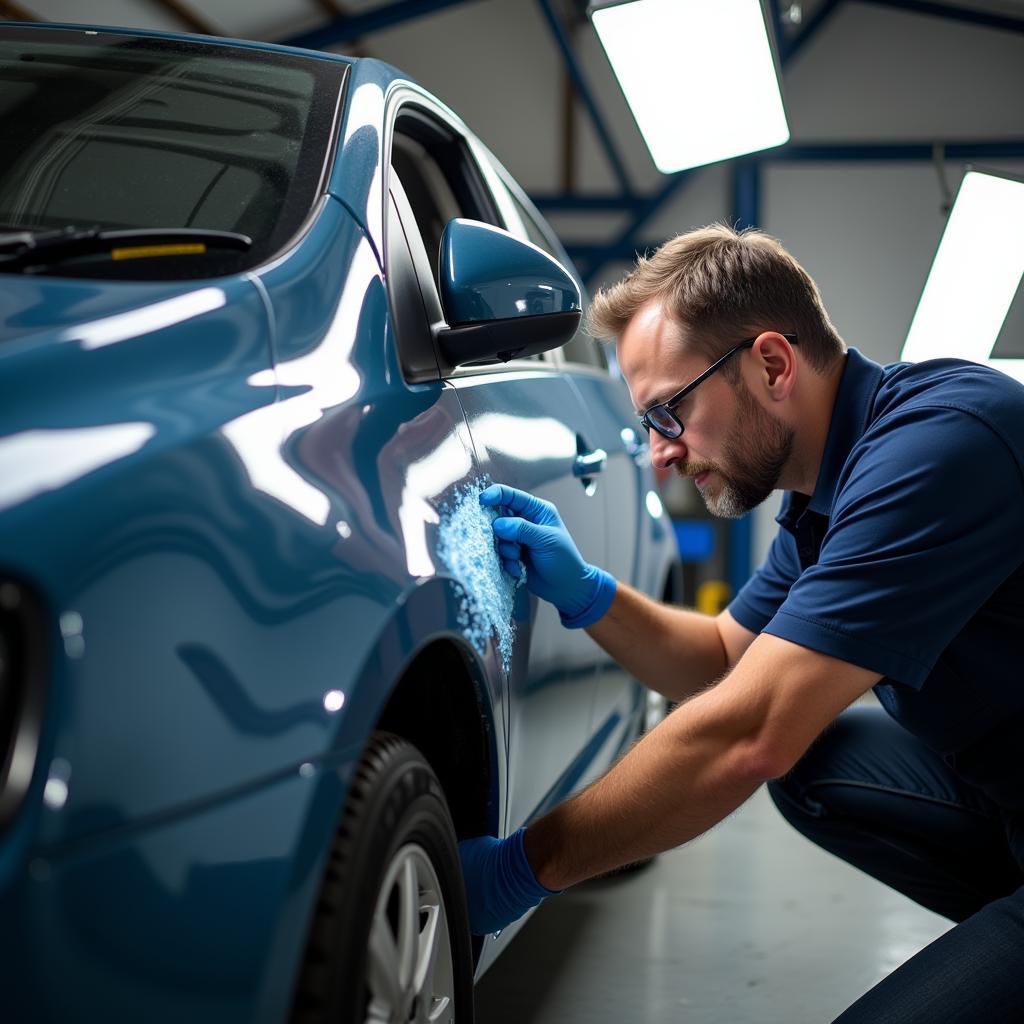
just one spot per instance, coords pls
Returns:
(270, 320)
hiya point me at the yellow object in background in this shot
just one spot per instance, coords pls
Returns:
(713, 596)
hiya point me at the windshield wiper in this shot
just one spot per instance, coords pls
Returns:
(20, 250)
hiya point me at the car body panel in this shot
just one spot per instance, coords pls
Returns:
(552, 675)
(229, 501)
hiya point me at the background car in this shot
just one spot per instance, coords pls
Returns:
(271, 319)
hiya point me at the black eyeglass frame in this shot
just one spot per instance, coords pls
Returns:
(669, 404)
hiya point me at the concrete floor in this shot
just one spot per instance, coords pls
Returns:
(750, 924)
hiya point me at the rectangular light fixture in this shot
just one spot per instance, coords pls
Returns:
(975, 275)
(700, 77)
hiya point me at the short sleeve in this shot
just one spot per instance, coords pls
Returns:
(762, 595)
(925, 526)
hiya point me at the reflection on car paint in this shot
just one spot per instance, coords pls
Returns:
(140, 322)
(55, 792)
(311, 382)
(426, 478)
(360, 157)
(35, 461)
(466, 546)
(541, 437)
(654, 506)
(229, 694)
(71, 630)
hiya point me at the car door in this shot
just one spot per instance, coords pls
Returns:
(628, 508)
(529, 430)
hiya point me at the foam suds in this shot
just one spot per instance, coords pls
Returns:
(466, 546)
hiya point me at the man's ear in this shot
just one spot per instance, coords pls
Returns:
(776, 362)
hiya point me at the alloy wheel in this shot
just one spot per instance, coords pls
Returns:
(410, 975)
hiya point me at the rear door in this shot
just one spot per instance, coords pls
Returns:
(528, 427)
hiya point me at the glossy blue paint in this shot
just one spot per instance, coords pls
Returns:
(487, 274)
(228, 500)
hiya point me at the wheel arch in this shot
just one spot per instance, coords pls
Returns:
(425, 682)
(420, 660)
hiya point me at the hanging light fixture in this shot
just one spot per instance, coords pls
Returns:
(975, 275)
(700, 77)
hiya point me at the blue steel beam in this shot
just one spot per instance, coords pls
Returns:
(650, 207)
(844, 152)
(967, 15)
(572, 202)
(351, 26)
(585, 94)
(625, 247)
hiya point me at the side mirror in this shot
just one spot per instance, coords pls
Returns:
(502, 298)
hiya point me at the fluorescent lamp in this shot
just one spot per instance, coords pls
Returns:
(699, 76)
(974, 276)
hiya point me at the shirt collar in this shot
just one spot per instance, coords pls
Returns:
(857, 388)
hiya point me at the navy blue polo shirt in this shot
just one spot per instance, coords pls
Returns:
(908, 558)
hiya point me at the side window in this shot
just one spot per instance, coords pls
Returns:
(434, 178)
(430, 196)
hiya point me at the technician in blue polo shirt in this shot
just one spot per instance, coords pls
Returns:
(897, 566)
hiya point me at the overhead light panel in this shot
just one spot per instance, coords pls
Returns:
(700, 77)
(975, 275)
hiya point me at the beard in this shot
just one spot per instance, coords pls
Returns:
(754, 455)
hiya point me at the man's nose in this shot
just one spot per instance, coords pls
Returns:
(667, 451)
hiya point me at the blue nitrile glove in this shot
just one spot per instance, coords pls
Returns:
(500, 884)
(533, 533)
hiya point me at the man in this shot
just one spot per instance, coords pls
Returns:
(897, 565)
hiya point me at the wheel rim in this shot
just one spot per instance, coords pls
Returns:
(410, 975)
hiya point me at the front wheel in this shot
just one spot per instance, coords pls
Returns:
(390, 943)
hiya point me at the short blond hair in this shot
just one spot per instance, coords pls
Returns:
(722, 285)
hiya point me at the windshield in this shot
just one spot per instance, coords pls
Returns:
(113, 132)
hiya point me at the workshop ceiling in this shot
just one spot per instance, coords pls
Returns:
(279, 20)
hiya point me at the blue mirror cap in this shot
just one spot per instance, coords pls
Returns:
(487, 274)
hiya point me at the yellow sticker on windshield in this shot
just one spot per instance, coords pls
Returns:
(142, 252)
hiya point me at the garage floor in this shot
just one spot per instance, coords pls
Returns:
(750, 923)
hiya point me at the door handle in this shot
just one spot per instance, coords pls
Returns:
(589, 463)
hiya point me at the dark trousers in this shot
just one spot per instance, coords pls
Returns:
(872, 794)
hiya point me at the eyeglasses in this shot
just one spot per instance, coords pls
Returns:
(661, 418)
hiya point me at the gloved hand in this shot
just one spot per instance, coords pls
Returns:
(500, 884)
(535, 535)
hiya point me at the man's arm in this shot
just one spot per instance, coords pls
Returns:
(672, 650)
(676, 651)
(699, 764)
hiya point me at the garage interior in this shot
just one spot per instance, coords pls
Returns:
(888, 102)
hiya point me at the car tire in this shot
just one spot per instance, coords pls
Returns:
(390, 936)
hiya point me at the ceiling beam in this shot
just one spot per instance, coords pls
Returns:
(953, 12)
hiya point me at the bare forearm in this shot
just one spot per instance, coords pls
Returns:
(676, 651)
(681, 779)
